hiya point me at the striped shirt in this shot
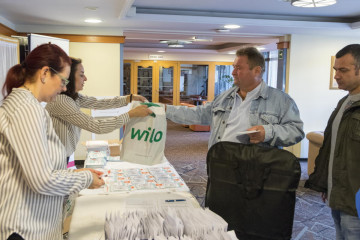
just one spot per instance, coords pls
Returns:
(33, 174)
(68, 119)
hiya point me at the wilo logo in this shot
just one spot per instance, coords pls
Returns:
(154, 137)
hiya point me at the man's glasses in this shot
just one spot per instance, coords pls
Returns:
(64, 81)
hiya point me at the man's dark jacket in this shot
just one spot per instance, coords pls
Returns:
(346, 165)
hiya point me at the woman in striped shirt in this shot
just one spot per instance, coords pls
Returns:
(68, 119)
(33, 174)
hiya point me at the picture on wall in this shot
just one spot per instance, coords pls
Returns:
(333, 83)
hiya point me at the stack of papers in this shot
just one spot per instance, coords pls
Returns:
(99, 153)
(166, 223)
(97, 145)
(96, 159)
(113, 158)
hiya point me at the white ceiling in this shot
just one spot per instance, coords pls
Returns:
(145, 22)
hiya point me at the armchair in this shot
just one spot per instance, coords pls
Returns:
(315, 142)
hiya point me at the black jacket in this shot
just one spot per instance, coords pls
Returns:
(346, 165)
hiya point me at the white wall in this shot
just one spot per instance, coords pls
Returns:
(101, 63)
(309, 79)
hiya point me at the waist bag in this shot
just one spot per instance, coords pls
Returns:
(253, 189)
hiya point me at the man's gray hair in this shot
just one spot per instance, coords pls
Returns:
(255, 58)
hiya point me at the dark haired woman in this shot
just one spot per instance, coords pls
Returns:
(68, 120)
(33, 174)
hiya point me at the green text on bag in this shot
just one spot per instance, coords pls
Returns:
(154, 137)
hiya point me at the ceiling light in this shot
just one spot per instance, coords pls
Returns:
(201, 39)
(93, 20)
(312, 3)
(175, 43)
(232, 52)
(91, 8)
(260, 48)
(222, 30)
(231, 26)
(161, 51)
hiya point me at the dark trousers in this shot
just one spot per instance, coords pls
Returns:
(67, 160)
(15, 236)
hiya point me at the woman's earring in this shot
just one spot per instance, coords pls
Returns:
(43, 80)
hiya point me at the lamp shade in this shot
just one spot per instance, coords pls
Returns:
(312, 3)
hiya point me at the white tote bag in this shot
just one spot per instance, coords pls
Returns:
(144, 138)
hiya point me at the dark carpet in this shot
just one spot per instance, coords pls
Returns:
(186, 151)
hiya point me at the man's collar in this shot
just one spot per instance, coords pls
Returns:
(263, 92)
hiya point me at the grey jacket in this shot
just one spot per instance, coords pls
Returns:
(273, 109)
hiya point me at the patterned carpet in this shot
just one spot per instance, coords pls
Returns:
(186, 151)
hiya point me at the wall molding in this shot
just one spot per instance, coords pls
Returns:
(4, 30)
(88, 38)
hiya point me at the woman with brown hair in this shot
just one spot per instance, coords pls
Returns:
(33, 175)
(68, 119)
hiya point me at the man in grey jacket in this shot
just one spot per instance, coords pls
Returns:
(249, 112)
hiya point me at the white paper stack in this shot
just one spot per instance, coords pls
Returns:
(96, 159)
(98, 151)
(166, 223)
(97, 146)
(113, 158)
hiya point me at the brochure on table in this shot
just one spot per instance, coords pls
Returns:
(125, 177)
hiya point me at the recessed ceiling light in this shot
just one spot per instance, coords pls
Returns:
(231, 26)
(93, 20)
(161, 51)
(222, 30)
(312, 3)
(232, 52)
(176, 45)
(201, 39)
(175, 41)
(91, 8)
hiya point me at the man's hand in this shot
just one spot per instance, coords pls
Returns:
(257, 137)
(324, 197)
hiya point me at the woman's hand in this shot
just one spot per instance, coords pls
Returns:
(140, 111)
(97, 181)
(135, 98)
(99, 173)
(139, 98)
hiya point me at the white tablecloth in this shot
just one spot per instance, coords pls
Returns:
(88, 218)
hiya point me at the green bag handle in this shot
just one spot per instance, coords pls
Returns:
(150, 104)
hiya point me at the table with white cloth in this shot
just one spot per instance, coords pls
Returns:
(91, 206)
